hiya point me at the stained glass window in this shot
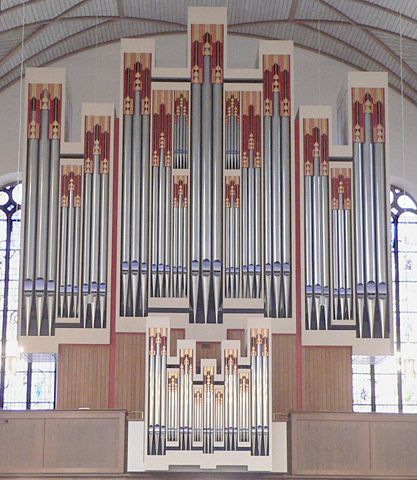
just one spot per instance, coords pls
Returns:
(24, 384)
(390, 384)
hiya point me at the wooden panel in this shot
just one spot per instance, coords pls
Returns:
(209, 350)
(130, 371)
(238, 334)
(361, 444)
(83, 376)
(329, 445)
(327, 379)
(284, 373)
(20, 447)
(81, 444)
(174, 335)
(394, 446)
(58, 442)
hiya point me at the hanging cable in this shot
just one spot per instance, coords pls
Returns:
(96, 59)
(22, 44)
(319, 63)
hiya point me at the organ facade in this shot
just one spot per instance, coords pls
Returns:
(207, 203)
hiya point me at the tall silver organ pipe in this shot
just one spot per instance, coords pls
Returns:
(370, 212)
(135, 217)
(95, 221)
(41, 209)
(317, 234)
(161, 194)
(251, 194)
(277, 185)
(206, 173)
(342, 243)
(70, 206)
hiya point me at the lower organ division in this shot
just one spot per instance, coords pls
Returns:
(190, 410)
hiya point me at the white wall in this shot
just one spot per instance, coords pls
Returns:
(94, 76)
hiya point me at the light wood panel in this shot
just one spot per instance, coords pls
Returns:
(363, 445)
(238, 334)
(130, 371)
(174, 335)
(83, 376)
(208, 350)
(62, 442)
(284, 373)
(327, 379)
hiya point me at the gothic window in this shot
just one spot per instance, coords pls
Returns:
(24, 384)
(389, 384)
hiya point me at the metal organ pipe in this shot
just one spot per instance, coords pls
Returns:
(342, 248)
(206, 173)
(53, 211)
(134, 236)
(135, 185)
(317, 269)
(43, 209)
(30, 212)
(277, 181)
(195, 185)
(370, 212)
(126, 205)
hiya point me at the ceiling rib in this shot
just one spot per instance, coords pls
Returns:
(366, 16)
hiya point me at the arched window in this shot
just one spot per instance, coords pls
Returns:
(390, 384)
(23, 384)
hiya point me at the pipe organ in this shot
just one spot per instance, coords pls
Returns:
(206, 204)
(191, 410)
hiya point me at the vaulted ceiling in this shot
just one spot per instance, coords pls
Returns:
(362, 33)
